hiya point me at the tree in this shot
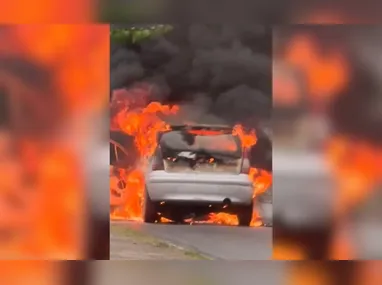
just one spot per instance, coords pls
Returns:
(137, 33)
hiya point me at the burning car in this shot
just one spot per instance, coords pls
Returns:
(197, 170)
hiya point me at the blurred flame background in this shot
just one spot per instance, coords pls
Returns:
(54, 89)
(50, 52)
(325, 95)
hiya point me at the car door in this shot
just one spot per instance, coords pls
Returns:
(118, 167)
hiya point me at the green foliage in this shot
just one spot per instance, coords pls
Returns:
(136, 34)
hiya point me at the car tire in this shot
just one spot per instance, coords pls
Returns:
(150, 213)
(245, 216)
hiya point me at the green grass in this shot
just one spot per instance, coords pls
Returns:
(196, 255)
(138, 34)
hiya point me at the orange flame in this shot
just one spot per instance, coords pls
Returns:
(143, 124)
(247, 139)
(130, 202)
(261, 179)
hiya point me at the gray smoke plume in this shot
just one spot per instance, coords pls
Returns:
(229, 64)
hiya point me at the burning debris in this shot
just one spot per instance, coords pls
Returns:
(192, 74)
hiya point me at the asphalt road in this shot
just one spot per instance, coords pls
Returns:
(216, 241)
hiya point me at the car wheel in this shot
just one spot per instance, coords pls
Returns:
(150, 213)
(245, 216)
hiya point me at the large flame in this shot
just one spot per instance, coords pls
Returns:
(144, 123)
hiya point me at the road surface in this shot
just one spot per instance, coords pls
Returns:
(215, 241)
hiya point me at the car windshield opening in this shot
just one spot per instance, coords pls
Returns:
(202, 152)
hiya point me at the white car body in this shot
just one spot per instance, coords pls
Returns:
(223, 185)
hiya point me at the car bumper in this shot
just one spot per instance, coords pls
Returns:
(200, 189)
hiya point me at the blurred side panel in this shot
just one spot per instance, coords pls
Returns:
(334, 273)
(327, 142)
(40, 272)
(323, 272)
(20, 272)
(53, 141)
(241, 273)
(202, 272)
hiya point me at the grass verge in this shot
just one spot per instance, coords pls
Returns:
(139, 237)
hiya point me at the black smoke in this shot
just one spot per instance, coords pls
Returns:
(219, 73)
(230, 65)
